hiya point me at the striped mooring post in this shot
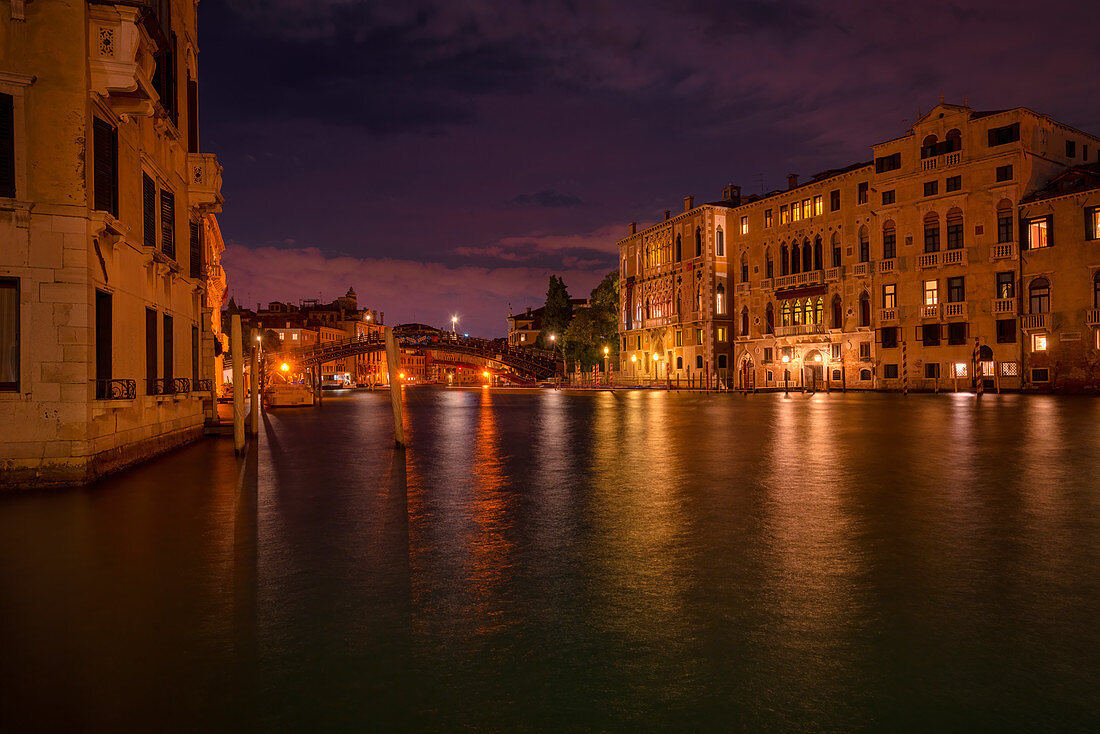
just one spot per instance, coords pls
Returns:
(979, 382)
(904, 370)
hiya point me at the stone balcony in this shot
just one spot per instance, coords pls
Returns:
(204, 186)
(861, 269)
(832, 275)
(930, 311)
(887, 266)
(814, 277)
(941, 161)
(741, 288)
(1034, 321)
(766, 284)
(955, 310)
(121, 56)
(1092, 316)
(1003, 251)
(800, 330)
(928, 260)
(887, 315)
(1002, 306)
(953, 257)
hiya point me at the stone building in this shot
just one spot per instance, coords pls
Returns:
(961, 249)
(108, 245)
(675, 293)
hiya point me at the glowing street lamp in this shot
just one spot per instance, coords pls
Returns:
(284, 367)
(786, 375)
(606, 364)
(454, 325)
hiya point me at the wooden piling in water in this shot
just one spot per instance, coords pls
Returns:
(254, 384)
(393, 362)
(236, 352)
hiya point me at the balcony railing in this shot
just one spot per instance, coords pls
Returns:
(1034, 321)
(941, 161)
(1003, 251)
(204, 186)
(1004, 306)
(928, 260)
(1092, 317)
(887, 266)
(954, 310)
(953, 257)
(812, 277)
(741, 288)
(886, 315)
(115, 389)
(168, 386)
(800, 330)
(766, 284)
(861, 269)
(930, 311)
(834, 274)
(181, 385)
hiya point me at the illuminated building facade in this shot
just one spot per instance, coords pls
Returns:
(109, 274)
(971, 235)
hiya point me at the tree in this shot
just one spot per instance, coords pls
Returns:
(597, 326)
(557, 313)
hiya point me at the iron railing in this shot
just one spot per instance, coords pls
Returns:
(204, 385)
(115, 389)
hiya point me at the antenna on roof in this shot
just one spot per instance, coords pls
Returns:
(966, 100)
(941, 96)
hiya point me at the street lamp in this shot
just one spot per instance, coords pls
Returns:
(606, 363)
(454, 325)
(786, 375)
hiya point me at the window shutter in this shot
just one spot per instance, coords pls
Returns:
(168, 223)
(196, 249)
(149, 210)
(7, 146)
(1025, 235)
(105, 167)
(1050, 230)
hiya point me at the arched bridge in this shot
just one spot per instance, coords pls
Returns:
(528, 364)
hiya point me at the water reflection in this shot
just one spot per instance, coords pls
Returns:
(540, 560)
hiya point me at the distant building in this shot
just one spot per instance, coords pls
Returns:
(110, 282)
(524, 328)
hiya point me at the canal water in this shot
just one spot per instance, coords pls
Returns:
(554, 561)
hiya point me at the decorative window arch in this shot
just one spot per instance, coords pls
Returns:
(784, 268)
(889, 240)
(864, 245)
(720, 243)
(720, 299)
(744, 267)
(796, 258)
(769, 316)
(818, 259)
(807, 256)
(785, 314)
(1038, 296)
(864, 309)
(835, 243)
(838, 312)
(698, 242)
(953, 140)
(819, 307)
(769, 266)
(931, 232)
(744, 321)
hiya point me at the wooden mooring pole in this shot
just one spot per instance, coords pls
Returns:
(393, 362)
(254, 383)
(236, 352)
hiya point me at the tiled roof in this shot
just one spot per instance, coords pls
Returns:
(1070, 181)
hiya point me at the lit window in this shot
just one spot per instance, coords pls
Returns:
(1037, 232)
(722, 334)
(890, 295)
(931, 292)
(767, 218)
(720, 299)
(796, 212)
(294, 337)
(523, 337)
(744, 225)
(818, 205)
(807, 212)
(784, 214)
(1093, 219)
(1039, 343)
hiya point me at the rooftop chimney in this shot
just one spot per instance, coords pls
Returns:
(731, 193)
(668, 214)
(632, 228)
(792, 181)
(689, 203)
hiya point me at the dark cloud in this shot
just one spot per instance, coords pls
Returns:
(549, 198)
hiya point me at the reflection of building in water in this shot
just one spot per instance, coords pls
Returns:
(963, 245)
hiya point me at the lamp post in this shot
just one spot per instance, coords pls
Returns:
(606, 363)
(786, 375)
(657, 367)
(817, 359)
(634, 365)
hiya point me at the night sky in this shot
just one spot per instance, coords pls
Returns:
(445, 156)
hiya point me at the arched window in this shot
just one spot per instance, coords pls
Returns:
(838, 313)
(721, 361)
(647, 308)
(807, 256)
(785, 314)
(889, 240)
(720, 243)
(720, 299)
(817, 254)
(864, 309)
(865, 375)
(698, 242)
(835, 243)
(819, 307)
(928, 147)
(679, 363)
(1039, 296)
(679, 249)
(783, 269)
(953, 141)
(931, 232)
(1096, 290)
(955, 229)
(797, 313)
(864, 245)
(744, 268)
(1004, 221)
(744, 321)
(769, 267)
(769, 316)
(796, 259)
